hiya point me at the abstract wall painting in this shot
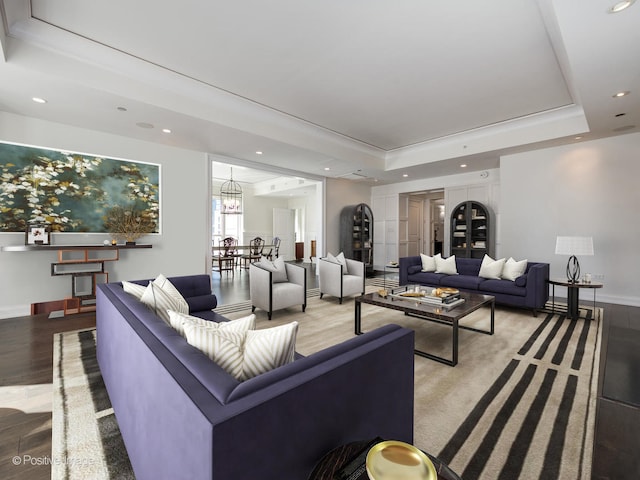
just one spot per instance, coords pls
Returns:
(72, 192)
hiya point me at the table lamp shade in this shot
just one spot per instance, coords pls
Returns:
(574, 246)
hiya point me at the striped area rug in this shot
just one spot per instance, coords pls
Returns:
(536, 419)
(86, 441)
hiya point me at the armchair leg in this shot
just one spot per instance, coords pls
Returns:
(253, 308)
(535, 313)
(304, 307)
(321, 295)
(269, 315)
(340, 301)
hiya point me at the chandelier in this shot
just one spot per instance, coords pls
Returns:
(231, 197)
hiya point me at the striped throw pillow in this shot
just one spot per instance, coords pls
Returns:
(222, 346)
(159, 301)
(178, 320)
(269, 348)
(134, 289)
(170, 289)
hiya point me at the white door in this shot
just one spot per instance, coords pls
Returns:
(414, 227)
(284, 227)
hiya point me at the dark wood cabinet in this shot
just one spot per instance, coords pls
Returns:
(356, 234)
(471, 230)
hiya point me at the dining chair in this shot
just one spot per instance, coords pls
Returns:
(225, 258)
(256, 246)
(274, 250)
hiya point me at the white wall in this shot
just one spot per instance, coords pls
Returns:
(258, 215)
(587, 189)
(182, 247)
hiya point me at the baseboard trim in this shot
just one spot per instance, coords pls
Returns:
(12, 311)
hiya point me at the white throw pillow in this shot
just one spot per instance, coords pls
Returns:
(269, 348)
(514, 269)
(178, 320)
(159, 301)
(172, 291)
(277, 267)
(447, 265)
(222, 346)
(339, 259)
(490, 268)
(428, 263)
(342, 261)
(134, 289)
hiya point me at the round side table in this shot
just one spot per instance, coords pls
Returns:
(338, 458)
(573, 292)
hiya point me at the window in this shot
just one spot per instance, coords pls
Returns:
(224, 225)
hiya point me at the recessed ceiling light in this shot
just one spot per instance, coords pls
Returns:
(166, 130)
(578, 137)
(621, 94)
(144, 125)
(405, 175)
(326, 169)
(258, 152)
(39, 100)
(122, 109)
(464, 165)
(620, 6)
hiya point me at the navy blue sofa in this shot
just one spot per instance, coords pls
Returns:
(531, 290)
(182, 416)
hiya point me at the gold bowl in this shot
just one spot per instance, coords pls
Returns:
(399, 461)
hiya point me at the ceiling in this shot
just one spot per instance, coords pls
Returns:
(372, 87)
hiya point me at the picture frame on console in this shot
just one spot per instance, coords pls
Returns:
(38, 234)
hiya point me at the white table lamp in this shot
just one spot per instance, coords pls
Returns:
(574, 246)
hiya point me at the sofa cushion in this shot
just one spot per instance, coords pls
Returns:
(490, 268)
(352, 283)
(502, 286)
(277, 268)
(428, 263)
(465, 282)
(446, 265)
(521, 281)
(267, 349)
(414, 269)
(468, 266)
(513, 269)
(426, 278)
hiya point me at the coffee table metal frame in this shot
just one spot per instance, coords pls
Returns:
(431, 313)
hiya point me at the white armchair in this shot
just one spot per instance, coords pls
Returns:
(333, 282)
(269, 295)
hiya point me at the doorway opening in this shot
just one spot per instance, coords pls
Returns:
(425, 222)
(275, 204)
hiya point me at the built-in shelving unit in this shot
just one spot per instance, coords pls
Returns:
(471, 230)
(356, 234)
(85, 264)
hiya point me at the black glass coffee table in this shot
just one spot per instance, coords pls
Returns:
(442, 314)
